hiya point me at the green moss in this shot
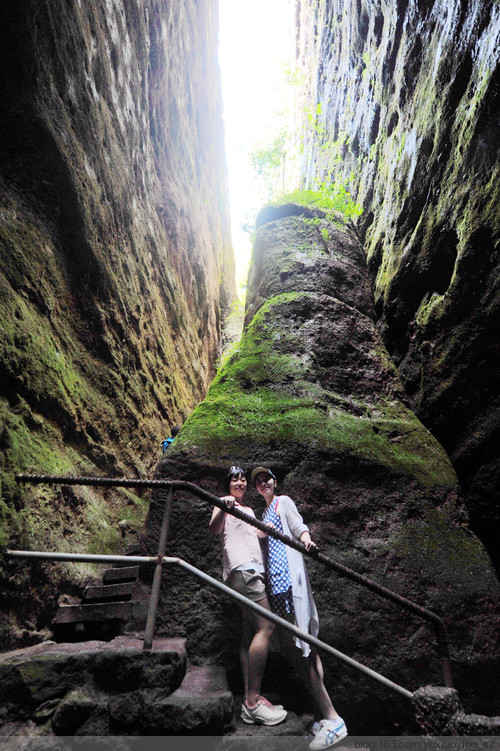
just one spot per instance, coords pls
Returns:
(445, 553)
(401, 148)
(33, 359)
(134, 509)
(432, 308)
(104, 536)
(261, 394)
(6, 522)
(29, 445)
(246, 419)
(40, 517)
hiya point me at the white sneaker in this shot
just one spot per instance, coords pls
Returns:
(275, 706)
(264, 713)
(329, 733)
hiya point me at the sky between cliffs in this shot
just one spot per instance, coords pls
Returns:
(254, 44)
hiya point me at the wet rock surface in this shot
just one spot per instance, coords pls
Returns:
(311, 392)
(409, 96)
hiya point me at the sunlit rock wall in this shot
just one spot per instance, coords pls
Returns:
(311, 392)
(115, 264)
(409, 92)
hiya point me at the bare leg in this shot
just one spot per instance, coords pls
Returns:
(246, 640)
(318, 689)
(310, 670)
(256, 654)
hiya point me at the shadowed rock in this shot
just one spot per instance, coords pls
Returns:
(91, 688)
(115, 263)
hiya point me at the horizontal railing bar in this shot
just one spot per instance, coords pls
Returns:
(270, 616)
(82, 557)
(314, 641)
(384, 592)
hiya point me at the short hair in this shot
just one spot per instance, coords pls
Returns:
(232, 472)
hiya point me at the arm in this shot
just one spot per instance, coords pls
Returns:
(296, 523)
(216, 524)
(305, 539)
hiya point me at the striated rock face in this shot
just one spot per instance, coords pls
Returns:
(311, 392)
(115, 265)
(409, 93)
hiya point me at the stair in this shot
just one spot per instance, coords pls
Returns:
(120, 574)
(101, 611)
(109, 593)
(202, 705)
(294, 725)
(105, 611)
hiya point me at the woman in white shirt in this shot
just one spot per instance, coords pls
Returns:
(243, 571)
(291, 598)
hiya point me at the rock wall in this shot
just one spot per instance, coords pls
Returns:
(311, 392)
(115, 266)
(409, 99)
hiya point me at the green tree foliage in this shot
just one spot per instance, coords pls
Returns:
(272, 161)
(327, 196)
(269, 161)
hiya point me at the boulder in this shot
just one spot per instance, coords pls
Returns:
(311, 392)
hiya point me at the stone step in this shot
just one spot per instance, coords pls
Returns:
(93, 688)
(202, 705)
(105, 611)
(128, 573)
(121, 591)
(295, 724)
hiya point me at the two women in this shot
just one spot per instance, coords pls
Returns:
(289, 592)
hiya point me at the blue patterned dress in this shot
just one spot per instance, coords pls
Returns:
(278, 580)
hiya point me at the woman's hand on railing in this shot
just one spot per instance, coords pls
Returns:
(306, 541)
(261, 533)
(218, 519)
(229, 501)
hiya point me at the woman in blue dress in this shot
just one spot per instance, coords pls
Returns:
(290, 596)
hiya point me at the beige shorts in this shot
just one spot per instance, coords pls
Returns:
(250, 584)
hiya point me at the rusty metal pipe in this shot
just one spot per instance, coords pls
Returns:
(155, 590)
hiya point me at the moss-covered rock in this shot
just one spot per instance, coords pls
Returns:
(92, 688)
(115, 266)
(407, 95)
(311, 392)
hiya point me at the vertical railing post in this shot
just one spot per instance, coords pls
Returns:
(155, 589)
(442, 642)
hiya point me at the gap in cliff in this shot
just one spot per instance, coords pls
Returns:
(255, 48)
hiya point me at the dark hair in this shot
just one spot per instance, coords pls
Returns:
(232, 472)
(175, 430)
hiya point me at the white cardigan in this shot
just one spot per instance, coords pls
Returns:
(306, 615)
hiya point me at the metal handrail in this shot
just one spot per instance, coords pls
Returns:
(388, 594)
(313, 640)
